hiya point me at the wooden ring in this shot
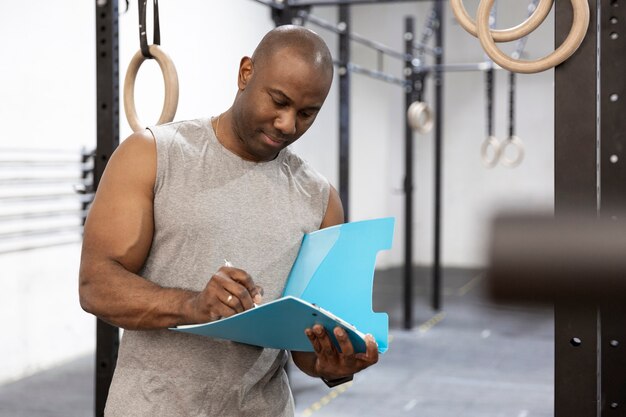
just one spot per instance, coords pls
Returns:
(519, 155)
(490, 142)
(420, 117)
(503, 35)
(170, 78)
(575, 37)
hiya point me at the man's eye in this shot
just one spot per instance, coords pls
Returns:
(279, 103)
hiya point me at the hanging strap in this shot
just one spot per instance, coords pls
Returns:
(511, 104)
(489, 80)
(143, 38)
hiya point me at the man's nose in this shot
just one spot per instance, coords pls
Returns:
(285, 122)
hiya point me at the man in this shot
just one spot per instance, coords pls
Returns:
(177, 200)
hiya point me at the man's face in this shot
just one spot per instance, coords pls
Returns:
(278, 102)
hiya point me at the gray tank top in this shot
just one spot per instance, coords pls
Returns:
(211, 205)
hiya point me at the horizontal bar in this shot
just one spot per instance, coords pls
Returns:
(272, 4)
(377, 46)
(302, 3)
(88, 166)
(25, 248)
(42, 181)
(77, 151)
(377, 75)
(481, 66)
(83, 198)
(40, 232)
(354, 36)
(43, 214)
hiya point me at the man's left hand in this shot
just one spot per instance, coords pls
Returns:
(331, 363)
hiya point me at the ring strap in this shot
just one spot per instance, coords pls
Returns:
(156, 35)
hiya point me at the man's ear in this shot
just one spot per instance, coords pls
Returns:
(246, 68)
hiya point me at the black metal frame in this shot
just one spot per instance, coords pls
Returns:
(590, 365)
(410, 96)
(344, 110)
(436, 276)
(107, 67)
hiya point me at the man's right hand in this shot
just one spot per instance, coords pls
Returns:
(228, 292)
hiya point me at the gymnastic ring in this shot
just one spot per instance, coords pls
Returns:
(490, 142)
(420, 117)
(575, 37)
(170, 78)
(503, 35)
(519, 156)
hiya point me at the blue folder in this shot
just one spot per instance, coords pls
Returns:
(330, 283)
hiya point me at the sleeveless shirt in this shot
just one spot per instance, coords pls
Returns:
(211, 205)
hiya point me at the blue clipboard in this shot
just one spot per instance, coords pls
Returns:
(330, 283)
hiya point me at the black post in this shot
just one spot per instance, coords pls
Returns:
(344, 109)
(436, 278)
(612, 160)
(107, 67)
(409, 97)
(577, 325)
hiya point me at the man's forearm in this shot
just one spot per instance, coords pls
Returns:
(124, 299)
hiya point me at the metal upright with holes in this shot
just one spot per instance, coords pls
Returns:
(438, 164)
(409, 97)
(590, 176)
(107, 102)
(344, 109)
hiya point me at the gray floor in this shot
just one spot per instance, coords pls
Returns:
(473, 359)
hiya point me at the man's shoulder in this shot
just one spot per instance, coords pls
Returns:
(302, 168)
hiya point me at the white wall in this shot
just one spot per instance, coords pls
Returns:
(48, 101)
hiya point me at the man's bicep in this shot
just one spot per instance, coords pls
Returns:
(334, 211)
(120, 223)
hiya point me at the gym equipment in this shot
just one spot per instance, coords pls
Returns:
(503, 35)
(170, 77)
(490, 148)
(513, 140)
(488, 38)
(538, 258)
(490, 159)
(420, 117)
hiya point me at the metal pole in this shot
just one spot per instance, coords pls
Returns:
(344, 109)
(107, 67)
(436, 277)
(612, 204)
(409, 97)
(577, 326)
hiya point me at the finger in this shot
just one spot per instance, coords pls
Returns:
(327, 348)
(231, 301)
(224, 277)
(313, 339)
(344, 341)
(243, 278)
(370, 356)
(221, 311)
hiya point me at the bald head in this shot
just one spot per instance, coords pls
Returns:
(301, 42)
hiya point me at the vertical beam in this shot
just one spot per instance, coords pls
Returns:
(409, 97)
(107, 98)
(612, 161)
(436, 279)
(577, 326)
(344, 109)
